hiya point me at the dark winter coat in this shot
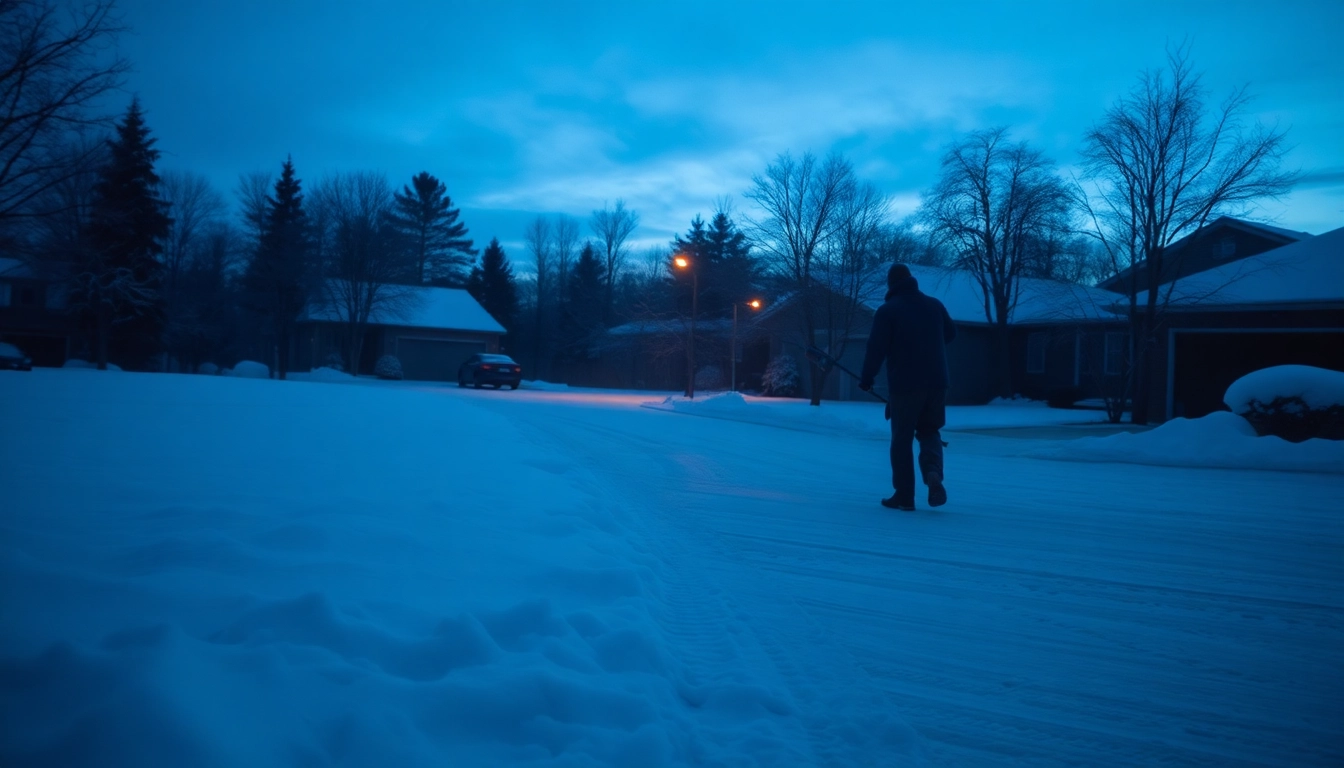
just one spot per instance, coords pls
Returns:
(910, 334)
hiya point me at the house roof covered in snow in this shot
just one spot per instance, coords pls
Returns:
(1038, 300)
(414, 306)
(1308, 273)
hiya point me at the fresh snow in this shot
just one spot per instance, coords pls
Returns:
(85, 365)
(414, 307)
(1318, 388)
(1221, 440)
(416, 575)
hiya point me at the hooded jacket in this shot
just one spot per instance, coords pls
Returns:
(911, 331)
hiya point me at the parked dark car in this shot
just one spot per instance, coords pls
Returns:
(494, 370)
(14, 360)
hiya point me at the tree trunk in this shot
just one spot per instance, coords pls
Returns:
(101, 332)
(818, 383)
(1003, 359)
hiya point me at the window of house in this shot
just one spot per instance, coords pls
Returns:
(1036, 344)
(4, 294)
(1116, 351)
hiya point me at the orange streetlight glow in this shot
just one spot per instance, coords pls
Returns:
(755, 303)
(681, 262)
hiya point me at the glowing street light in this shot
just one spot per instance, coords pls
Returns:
(682, 262)
(732, 352)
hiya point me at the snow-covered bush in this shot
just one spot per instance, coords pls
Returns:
(334, 361)
(1294, 402)
(86, 365)
(781, 377)
(330, 375)
(247, 369)
(388, 367)
(709, 378)
(208, 369)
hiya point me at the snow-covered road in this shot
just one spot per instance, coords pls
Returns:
(227, 572)
(1052, 614)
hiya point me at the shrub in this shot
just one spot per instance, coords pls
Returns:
(1294, 402)
(248, 369)
(709, 378)
(208, 369)
(388, 367)
(781, 377)
(334, 361)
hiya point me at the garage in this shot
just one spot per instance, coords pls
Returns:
(434, 359)
(1207, 361)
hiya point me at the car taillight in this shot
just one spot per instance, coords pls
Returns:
(487, 367)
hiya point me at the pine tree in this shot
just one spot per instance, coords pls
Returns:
(425, 215)
(118, 287)
(492, 284)
(586, 299)
(723, 258)
(276, 279)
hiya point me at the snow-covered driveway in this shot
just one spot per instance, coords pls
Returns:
(230, 572)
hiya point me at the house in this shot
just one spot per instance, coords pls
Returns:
(33, 313)
(431, 331)
(1066, 342)
(1217, 243)
(1278, 307)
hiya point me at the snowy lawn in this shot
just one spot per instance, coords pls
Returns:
(221, 571)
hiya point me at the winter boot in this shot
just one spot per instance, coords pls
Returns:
(892, 503)
(937, 493)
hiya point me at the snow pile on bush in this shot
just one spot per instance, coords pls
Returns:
(330, 375)
(208, 369)
(1294, 402)
(781, 377)
(1220, 440)
(388, 367)
(709, 378)
(78, 364)
(248, 369)
(334, 361)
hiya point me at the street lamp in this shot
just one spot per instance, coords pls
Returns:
(732, 352)
(683, 262)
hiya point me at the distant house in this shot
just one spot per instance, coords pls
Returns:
(33, 314)
(430, 330)
(1217, 243)
(1276, 307)
(1065, 339)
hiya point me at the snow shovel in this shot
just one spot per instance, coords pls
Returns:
(825, 362)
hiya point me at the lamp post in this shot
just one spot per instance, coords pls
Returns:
(732, 352)
(683, 262)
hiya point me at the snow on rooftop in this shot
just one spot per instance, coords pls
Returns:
(1038, 300)
(423, 307)
(1310, 271)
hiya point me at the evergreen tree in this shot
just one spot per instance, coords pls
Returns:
(586, 302)
(118, 285)
(723, 258)
(276, 279)
(425, 215)
(493, 285)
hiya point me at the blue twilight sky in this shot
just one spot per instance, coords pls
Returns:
(548, 107)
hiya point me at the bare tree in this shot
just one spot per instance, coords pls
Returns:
(565, 238)
(251, 193)
(612, 227)
(994, 206)
(804, 207)
(54, 65)
(196, 206)
(366, 258)
(541, 245)
(1163, 164)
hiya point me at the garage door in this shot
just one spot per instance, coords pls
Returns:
(1208, 363)
(434, 360)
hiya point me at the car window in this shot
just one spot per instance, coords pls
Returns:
(9, 350)
(497, 359)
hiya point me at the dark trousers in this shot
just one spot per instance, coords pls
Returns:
(916, 416)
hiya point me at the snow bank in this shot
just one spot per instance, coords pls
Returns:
(544, 386)
(85, 365)
(1220, 440)
(864, 419)
(248, 369)
(330, 375)
(1316, 387)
